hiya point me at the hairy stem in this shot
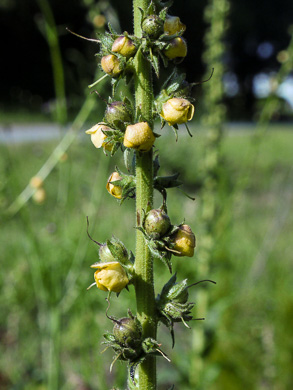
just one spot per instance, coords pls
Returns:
(144, 285)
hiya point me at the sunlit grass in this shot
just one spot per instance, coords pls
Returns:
(46, 254)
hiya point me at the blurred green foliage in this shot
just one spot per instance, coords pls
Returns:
(46, 311)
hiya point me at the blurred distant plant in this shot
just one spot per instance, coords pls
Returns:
(216, 16)
(49, 29)
(127, 126)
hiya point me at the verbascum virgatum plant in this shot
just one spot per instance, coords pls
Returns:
(128, 127)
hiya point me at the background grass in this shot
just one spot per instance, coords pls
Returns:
(51, 327)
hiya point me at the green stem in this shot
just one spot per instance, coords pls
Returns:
(144, 284)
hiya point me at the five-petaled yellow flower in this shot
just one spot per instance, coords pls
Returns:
(98, 136)
(110, 276)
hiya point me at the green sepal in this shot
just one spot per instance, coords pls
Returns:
(113, 138)
(171, 282)
(154, 59)
(109, 338)
(166, 4)
(156, 165)
(164, 59)
(175, 128)
(127, 157)
(112, 31)
(179, 292)
(106, 42)
(167, 181)
(151, 346)
(118, 251)
(127, 183)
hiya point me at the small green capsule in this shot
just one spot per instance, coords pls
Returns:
(153, 26)
(127, 332)
(117, 111)
(157, 223)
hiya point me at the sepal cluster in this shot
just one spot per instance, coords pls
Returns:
(157, 42)
(116, 54)
(128, 343)
(115, 271)
(173, 306)
(121, 185)
(165, 239)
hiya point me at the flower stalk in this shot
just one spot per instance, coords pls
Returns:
(144, 283)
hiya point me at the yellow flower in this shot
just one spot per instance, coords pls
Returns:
(39, 196)
(36, 182)
(184, 241)
(114, 189)
(176, 48)
(98, 137)
(177, 111)
(124, 46)
(110, 276)
(139, 136)
(111, 65)
(173, 25)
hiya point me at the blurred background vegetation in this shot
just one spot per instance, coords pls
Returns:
(238, 166)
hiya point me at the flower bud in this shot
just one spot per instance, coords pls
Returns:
(98, 136)
(117, 111)
(114, 189)
(177, 111)
(127, 332)
(110, 276)
(124, 46)
(173, 25)
(153, 26)
(139, 136)
(176, 48)
(111, 65)
(157, 223)
(184, 241)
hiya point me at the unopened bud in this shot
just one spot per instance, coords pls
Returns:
(173, 25)
(111, 65)
(157, 223)
(177, 111)
(176, 48)
(153, 26)
(184, 241)
(118, 111)
(114, 189)
(124, 46)
(139, 136)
